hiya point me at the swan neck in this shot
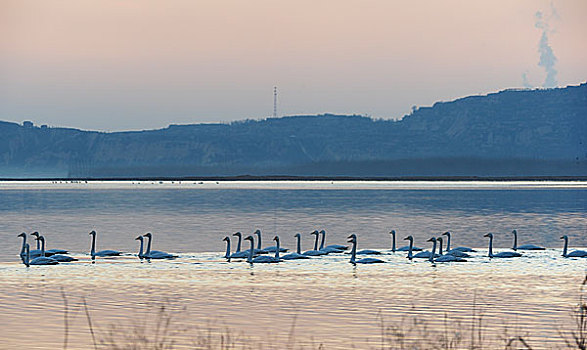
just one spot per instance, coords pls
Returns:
(22, 250)
(148, 246)
(250, 258)
(38, 245)
(43, 248)
(238, 244)
(316, 243)
(515, 247)
(27, 259)
(565, 247)
(491, 246)
(259, 241)
(277, 250)
(227, 255)
(299, 245)
(141, 250)
(93, 250)
(448, 242)
(439, 247)
(393, 241)
(431, 258)
(410, 249)
(354, 252)
(323, 239)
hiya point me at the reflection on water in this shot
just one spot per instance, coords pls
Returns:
(331, 301)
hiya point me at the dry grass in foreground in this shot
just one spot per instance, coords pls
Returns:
(162, 328)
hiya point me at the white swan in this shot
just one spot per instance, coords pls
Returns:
(447, 257)
(298, 253)
(404, 248)
(155, 254)
(573, 254)
(462, 249)
(42, 260)
(456, 253)
(58, 257)
(101, 253)
(332, 246)
(259, 250)
(353, 240)
(329, 249)
(50, 251)
(33, 253)
(260, 259)
(315, 251)
(524, 246)
(270, 249)
(422, 254)
(238, 254)
(411, 239)
(502, 254)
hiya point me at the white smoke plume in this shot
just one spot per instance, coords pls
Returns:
(547, 57)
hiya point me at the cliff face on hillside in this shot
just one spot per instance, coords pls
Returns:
(512, 132)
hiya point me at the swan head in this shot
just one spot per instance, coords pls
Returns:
(257, 232)
(439, 239)
(139, 238)
(514, 232)
(409, 238)
(93, 233)
(352, 238)
(148, 235)
(22, 235)
(226, 239)
(446, 234)
(322, 232)
(315, 233)
(238, 234)
(276, 238)
(40, 238)
(392, 232)
(490, 235)
(36, 234)
(564, 237)
(298, 235)
(249, 238)
(432, 239)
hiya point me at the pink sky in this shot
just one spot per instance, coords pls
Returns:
(117, 65)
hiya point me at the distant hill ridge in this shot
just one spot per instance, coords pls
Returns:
(512, 132)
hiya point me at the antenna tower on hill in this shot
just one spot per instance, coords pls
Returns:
(275, 102)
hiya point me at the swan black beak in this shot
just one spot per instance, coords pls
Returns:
(562, 237)
(486, 235)
(139, 237)
(431, 239)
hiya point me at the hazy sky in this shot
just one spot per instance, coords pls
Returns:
(134, 64)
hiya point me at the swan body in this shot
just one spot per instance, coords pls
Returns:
(101, 253)
(501, 254)
(573, 254)
(458, 253)
(63, 258)
(353, 240)
(315, 251)
(424, 255)
(333, 248)
(155, 254)
(524, 246)
(404, 248)
(298, 253)
(461, 249)
(368, 252)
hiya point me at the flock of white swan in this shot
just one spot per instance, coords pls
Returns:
(40, 256)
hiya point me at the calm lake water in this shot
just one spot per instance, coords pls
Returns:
(326, 299)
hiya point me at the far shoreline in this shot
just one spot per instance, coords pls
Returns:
(253, 178)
